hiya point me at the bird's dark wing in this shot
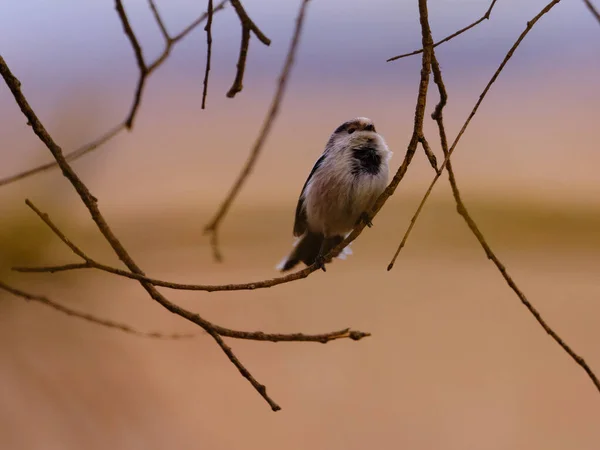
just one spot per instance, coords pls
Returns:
(300, 222)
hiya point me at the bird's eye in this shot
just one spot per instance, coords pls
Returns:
(351, 130)
(370, 128)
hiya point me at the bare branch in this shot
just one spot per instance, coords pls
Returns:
(89, 317)
(91, 204)
(208, 29)
(528, 28)
(592, 9)
(76, 154)
(462, 210)
(486, 16)
(247, 26)
(213, 226)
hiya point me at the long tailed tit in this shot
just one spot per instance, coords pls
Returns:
(343, 184)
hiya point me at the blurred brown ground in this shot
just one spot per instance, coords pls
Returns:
(455, 361)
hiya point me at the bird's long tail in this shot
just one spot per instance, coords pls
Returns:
(307, 249)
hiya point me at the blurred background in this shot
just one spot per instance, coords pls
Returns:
(455, 361)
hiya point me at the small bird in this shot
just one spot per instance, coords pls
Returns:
(343, 185)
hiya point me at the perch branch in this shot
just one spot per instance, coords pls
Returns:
(247, 26)
(486, 16)
(90, 203)
(212, 228)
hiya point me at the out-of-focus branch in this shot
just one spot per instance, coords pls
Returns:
(89, 317)
(159, 21)
(147, 69)
(139, 57)
(462, 210)
(247, 26)
(485, 16)
(208, 29)
(72, 156)
(213, 226)
(90, 202)
(528, 28)
(592, 9)
(87, 148)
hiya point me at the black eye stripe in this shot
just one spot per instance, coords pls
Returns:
(341, 128)
(351, 127)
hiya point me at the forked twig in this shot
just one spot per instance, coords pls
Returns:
(528, 28)
(89, 147)
(247, 26)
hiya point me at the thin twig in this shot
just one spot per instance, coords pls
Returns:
(87, 148)
(208, 29)
(247, 26)
(486, 16)
(592, 9)
(91, 318)
(429, 153)
(213, 226)
(260, 388)
(91, 204)
(72, 156)
(159, 21)
(462, 210)
(528, 28)
(137, 49)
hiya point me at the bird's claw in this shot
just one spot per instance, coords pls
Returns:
(320, 262)
(364, 217)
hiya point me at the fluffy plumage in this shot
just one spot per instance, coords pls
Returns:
(343, 184)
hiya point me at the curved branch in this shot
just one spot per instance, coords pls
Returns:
(528, 28)
(462, 210)
(212, 227)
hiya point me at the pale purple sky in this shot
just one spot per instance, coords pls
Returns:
(345, 41)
